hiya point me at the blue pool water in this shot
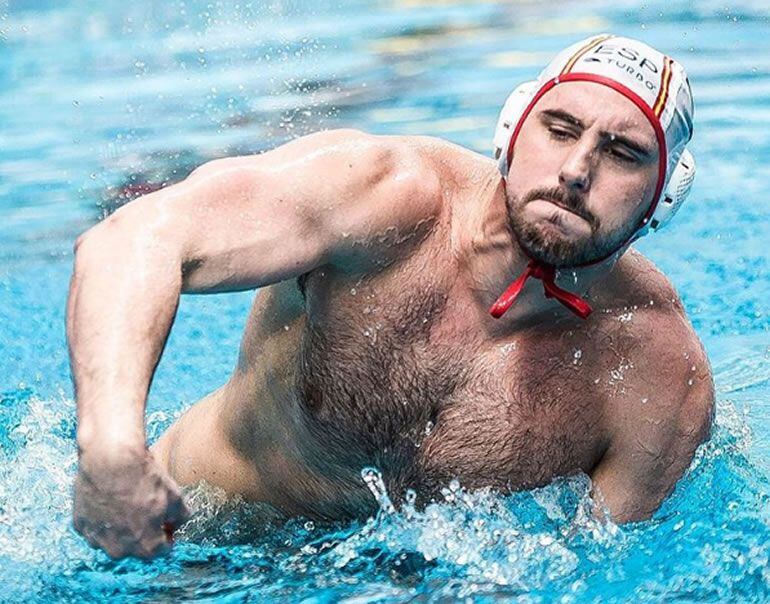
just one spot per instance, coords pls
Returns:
(103, 100)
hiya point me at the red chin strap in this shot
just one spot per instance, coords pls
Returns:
(547, 274)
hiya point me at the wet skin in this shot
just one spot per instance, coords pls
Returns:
(507, 410)
(370, 343)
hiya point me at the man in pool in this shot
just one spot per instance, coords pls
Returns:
(381, 337)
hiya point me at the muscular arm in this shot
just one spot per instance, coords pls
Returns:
(658, 419)
(234, 224)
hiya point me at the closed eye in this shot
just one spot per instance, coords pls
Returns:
(621, 156)
(560, 133)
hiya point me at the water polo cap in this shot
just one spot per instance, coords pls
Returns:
(658, 86)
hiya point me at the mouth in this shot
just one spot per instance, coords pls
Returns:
(558, 219)
(563, 207)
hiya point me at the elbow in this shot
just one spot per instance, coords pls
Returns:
(80, 245)
(85, 246)
(104, 244)
(136, 245)
(94, 240)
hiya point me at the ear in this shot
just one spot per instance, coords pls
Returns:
(676, 191)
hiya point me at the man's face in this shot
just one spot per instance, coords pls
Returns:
(583, 174)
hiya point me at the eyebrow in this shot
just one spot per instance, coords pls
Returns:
(559, 114)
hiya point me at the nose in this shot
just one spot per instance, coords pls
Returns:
(575, 173)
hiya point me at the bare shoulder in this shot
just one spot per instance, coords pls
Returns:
(669, 388)
(343, 155)
(419, 165)
(636, 282)
(456, 165)
(409, 180)
(400, 169)
(362, 190)
(660, 402)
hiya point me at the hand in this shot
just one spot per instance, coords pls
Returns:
(127, 506)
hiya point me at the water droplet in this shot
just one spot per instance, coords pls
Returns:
(410, 496)
(353, 291)
(507, 348)
(576, 357)
(373, 479)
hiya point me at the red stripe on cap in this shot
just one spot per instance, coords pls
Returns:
(665, 82)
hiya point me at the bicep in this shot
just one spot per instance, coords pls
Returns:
(241, 227)
(246, 222)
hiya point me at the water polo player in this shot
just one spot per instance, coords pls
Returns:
(424, 310)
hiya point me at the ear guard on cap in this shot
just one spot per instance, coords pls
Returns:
(510, 115)
(676, 191)
(674, 194)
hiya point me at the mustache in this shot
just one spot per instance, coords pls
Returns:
(571, 201)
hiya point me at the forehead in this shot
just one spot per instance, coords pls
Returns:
(594, 103)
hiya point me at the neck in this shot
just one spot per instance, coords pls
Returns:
(495, 259)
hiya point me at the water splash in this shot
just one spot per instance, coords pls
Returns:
(373, 480)
(523, 542)
(547, 544)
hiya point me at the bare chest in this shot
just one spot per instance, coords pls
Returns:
(406, 381)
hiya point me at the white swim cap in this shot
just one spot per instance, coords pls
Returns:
(658, 86)
(654, 82)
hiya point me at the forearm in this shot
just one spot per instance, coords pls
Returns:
(123, 297)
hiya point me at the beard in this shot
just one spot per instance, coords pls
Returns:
(549, 248)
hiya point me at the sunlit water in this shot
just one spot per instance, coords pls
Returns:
(103, 100)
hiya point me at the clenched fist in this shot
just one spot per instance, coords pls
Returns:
(126, 504)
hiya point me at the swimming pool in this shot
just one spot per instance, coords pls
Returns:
(102, 101)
